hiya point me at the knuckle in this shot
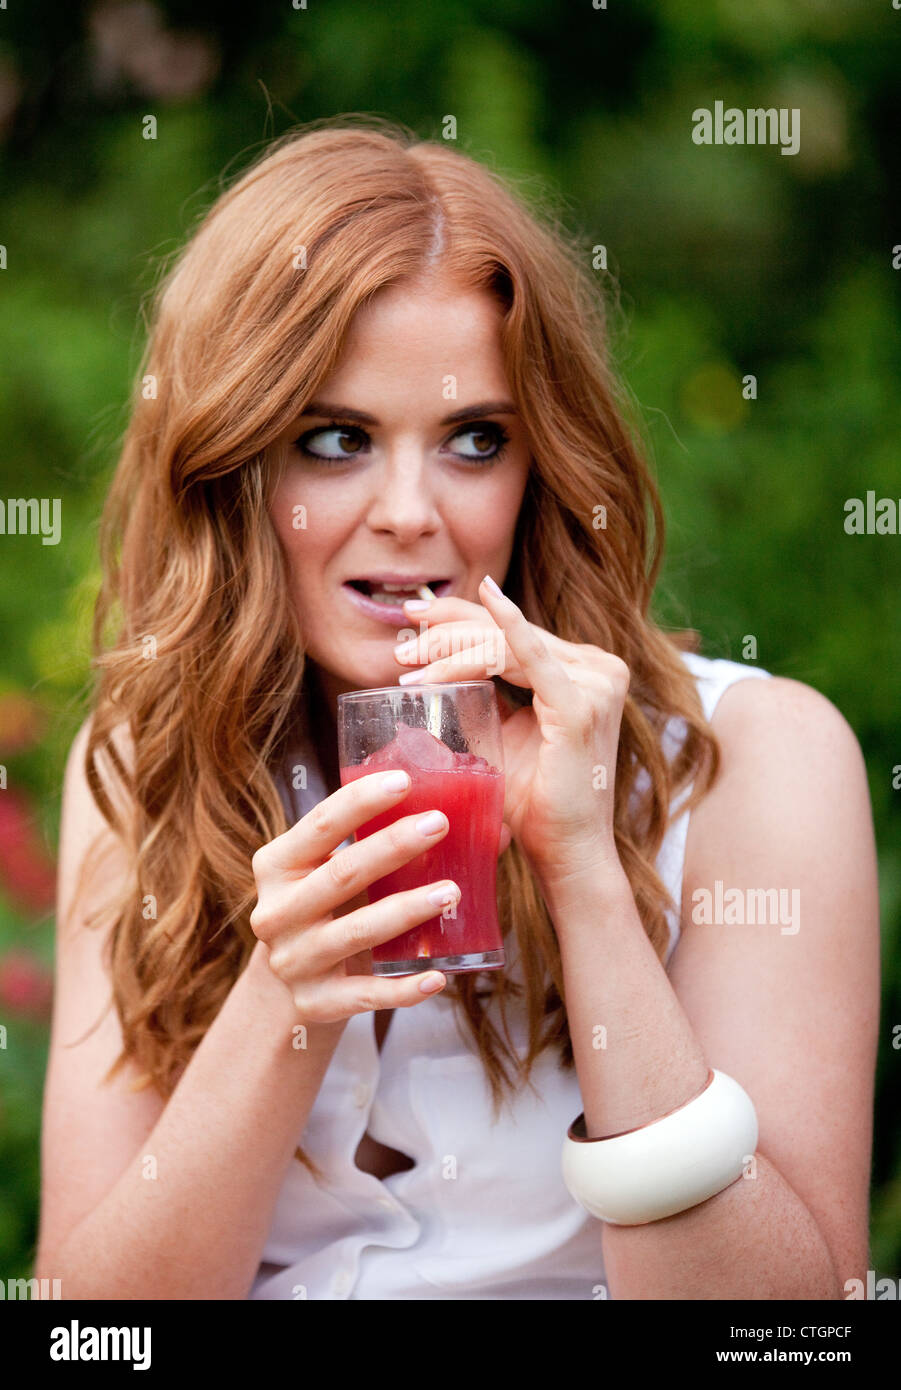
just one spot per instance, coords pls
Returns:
(321, 818)
(620, 673)
(258, 861)
(342, 868)
(278, 959)
(398, 834)
(357, 933)
(366, 1001)
(260, 923)
(305, 1003)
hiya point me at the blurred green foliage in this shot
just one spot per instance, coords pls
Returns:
(724, 262)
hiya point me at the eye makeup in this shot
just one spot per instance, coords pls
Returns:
(360, 440)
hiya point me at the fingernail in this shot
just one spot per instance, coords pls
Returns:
(417, 605)
(448, 893)
(490, 584)
(406, 648)
(395, 782)
(409, 676)
(428, 824)
(430, 983)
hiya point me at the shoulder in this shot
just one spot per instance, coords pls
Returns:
(77, 788)
(780, 706)
(757, 716)
(83, 827)
(789, 762)
(788, 753)
(121, 741)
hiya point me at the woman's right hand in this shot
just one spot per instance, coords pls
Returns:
(303, 879)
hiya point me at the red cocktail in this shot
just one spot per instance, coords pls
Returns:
(467, 787)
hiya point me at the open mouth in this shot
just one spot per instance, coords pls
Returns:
(395, 594)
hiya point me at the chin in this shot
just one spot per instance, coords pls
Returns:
(375, 676)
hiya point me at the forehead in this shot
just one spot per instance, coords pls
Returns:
(428, 315)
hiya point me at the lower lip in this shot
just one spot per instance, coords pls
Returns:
(391, 614)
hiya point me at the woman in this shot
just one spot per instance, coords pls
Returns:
(373, 365)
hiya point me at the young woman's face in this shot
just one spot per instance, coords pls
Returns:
(411, 463)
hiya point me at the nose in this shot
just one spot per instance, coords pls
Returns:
(404, 501)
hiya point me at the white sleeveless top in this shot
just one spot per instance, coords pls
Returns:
(483, 1213)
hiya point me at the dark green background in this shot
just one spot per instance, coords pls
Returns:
(728, 261)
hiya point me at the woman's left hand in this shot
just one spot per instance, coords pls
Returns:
(560, 753)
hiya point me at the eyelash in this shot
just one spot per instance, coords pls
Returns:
(501, 438)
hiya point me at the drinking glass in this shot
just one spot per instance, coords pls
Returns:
(447, 737)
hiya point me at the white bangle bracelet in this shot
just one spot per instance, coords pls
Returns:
(668, 1165)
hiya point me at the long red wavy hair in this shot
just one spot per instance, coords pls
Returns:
(198, 652)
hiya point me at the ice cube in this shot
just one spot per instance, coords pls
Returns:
(473, 762)
(413, 747)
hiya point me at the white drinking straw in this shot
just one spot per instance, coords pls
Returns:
(434, 716)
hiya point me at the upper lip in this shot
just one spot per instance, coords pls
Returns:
(391, 577)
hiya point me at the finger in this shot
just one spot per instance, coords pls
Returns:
(488, 659)
(323, 946)
(349, 871)
(337, 998)
(307, 843)
(542, 670)
(448, 625)
(442, 610)
(492, 659)
(506, 837)
(444, 639)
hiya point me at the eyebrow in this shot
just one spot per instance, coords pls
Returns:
(327, 409)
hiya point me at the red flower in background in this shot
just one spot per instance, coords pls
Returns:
(27, 872)
(26, 985)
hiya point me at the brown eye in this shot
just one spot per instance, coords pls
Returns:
(486, 441)
(332, 442)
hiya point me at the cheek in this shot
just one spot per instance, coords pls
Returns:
(286, 514)
(309, 531)
(485, 517)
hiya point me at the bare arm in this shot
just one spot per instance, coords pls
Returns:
(192, 1223)
(790, 1011)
